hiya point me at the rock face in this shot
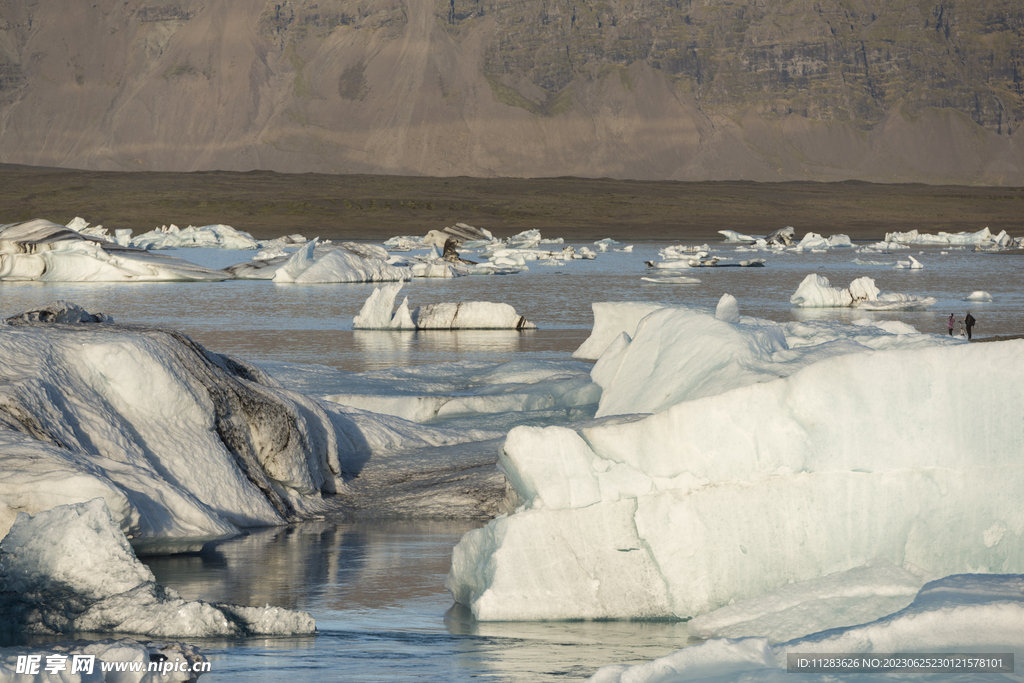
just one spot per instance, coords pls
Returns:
(917, 90)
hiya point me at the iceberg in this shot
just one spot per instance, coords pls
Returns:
(910, 264)
(47, 252)
(217, 236)
(983, 237)
(468, 315)
(318, 262)
(70, 569)
(462, 233)
(186, 445)
(978, 295)
(660, 516)
(732, 236)
(816, 292)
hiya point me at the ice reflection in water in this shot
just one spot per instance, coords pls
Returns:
(376, 590)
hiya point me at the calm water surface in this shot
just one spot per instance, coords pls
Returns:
(376, 588)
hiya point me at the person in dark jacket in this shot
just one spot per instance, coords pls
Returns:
(969, 322)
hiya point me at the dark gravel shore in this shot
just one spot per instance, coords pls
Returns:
(269, 204)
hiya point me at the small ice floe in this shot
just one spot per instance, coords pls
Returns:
(862, 262)
(978, 295)
(677, 280)
(70, 569)
(910, 264)
(47, 252)
(816, 292)
(732, 237)
(814, 242)
(680, 258)
(376, 314)
(783, 236)
(606, 243)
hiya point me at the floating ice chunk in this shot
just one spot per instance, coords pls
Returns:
(732, 236)
(467, 315)
(217, 236)
(912, 264)
(48, 252)
(978, 295)
(470, 315)
(677, 280)
(71, 569)
(462, 233)
(816, 292)
(376, 313)
(783, 236)
(610, 320)
(318, 262)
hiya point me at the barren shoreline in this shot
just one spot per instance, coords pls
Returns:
(269, 204)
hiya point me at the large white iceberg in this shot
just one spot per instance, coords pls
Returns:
(376, 314)
(70, 569)
(48, 252)
(769, 460)
(816, 292)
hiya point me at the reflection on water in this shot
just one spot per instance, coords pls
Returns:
(376, 591)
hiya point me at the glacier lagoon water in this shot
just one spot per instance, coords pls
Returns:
(376, 588)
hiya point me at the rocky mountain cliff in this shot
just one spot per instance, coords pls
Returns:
(902, 90)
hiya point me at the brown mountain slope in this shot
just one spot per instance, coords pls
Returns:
(795, 89)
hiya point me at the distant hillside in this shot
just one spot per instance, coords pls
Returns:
(902, 91)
